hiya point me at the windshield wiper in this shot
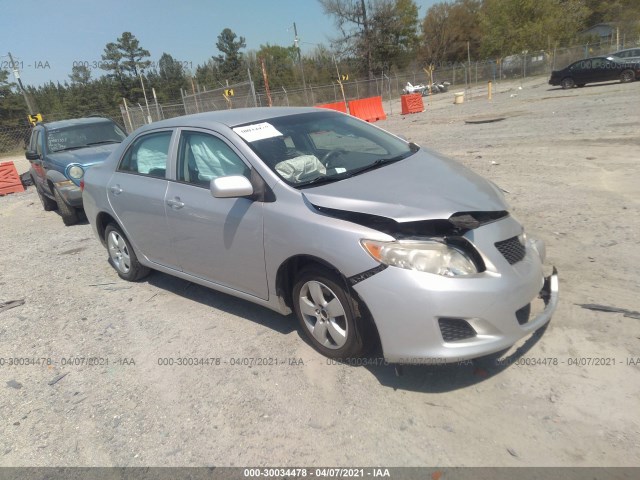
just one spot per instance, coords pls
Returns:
(103, 141)
(341, 176)
(320, 179)
(377, 164)
(69, 148)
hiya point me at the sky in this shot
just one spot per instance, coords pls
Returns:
(47, 37)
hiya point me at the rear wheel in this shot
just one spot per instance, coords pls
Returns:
(567, 83)
(47, 204)
(329, 316)
(627, 76)
(121, 255)
(69, 213)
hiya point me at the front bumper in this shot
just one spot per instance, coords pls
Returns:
(70, 193)
(410, 308)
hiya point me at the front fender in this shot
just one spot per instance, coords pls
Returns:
(56, 177)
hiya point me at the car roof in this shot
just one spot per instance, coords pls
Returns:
(231, 118)
(71, 122)
(626, 50)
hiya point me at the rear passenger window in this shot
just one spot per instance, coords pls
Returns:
(148, 155)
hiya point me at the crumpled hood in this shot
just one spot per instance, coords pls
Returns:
(424, 186)
(84, 156)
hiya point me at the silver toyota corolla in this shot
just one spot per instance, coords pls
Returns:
(365, 236)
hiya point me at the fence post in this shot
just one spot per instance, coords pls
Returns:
(184, 105)
(155, 99)
(126, 109)
(253, 88)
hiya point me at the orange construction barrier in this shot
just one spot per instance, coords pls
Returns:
(339, 106)
(368, 109)
(412, 103)
(9, 179)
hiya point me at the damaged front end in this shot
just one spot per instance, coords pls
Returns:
(471, 284)
(420, 245)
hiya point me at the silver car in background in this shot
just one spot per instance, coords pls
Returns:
(366, 237)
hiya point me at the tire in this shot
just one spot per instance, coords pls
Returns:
(325, 311)
(47, 204)
(627, 76)
(69, 214)
(567, 83)
(121, 255)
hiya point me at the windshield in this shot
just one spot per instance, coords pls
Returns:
(321, 147)
(80, 136)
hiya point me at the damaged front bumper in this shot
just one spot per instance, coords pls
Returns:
(429, 319)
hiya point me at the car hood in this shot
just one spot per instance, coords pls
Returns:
(84, 156)
(424, 186)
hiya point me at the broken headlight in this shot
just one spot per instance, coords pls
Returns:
(424, 256)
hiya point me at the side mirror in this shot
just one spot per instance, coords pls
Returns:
(231, 187)
(31, 155)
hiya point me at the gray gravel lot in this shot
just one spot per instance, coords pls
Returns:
(569, 160)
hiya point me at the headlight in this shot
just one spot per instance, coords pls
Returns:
(423, 256)
(76, 172)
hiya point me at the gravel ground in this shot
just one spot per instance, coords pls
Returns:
(569, 160)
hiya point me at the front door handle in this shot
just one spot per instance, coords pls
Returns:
(116, 190)
(175, 203)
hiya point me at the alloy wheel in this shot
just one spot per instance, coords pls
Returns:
(119, 252)
(323, 315)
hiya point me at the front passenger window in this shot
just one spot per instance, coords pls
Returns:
(204, 157)
(148, 155)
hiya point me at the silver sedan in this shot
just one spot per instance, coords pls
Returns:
(366, 237)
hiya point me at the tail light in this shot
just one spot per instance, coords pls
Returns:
(82, 185)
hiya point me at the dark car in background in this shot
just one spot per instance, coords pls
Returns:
(60, 153)
(596, 69)
(627, 54)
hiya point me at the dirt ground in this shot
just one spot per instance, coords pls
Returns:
(569, 160)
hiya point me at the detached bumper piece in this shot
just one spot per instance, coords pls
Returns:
(548, 293)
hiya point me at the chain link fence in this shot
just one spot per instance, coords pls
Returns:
(387, 84)
(13, 140)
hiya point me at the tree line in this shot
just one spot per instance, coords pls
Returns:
(371, 36)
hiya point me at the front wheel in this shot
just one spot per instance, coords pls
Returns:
(325, 310)
(567, 83)
(47, 204)
(69, 213)
(121, 255)
(627, 76)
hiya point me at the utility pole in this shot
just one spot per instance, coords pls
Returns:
(16, 74)
(295, 43)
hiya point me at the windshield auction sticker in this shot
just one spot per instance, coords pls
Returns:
(257, 131)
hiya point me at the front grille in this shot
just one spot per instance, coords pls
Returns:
(522, 315)
(511, 249)
(453, 329)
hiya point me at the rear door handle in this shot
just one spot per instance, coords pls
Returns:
(175, 203)
(116, 190)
